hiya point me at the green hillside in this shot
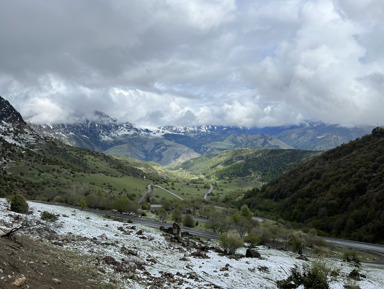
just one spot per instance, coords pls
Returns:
(252, 165)
(340, 192)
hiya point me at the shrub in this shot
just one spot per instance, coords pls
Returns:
(314, 277)
(253, 240)
(162, 215)
(177, 215)
(351, 256)
(188, 221)
(231, 241)
(18, 204)
(47, 216)
(296, 241)
(125, 205)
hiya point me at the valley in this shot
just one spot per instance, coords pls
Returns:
(235, 188)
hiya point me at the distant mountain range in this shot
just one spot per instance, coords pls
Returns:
(167, 145)
(171, 145)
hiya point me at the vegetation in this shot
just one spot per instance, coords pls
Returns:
(125, 205)
(188, 221)
(312, 277)
(231, 241)
(250, 164)
(47, 216)
(339, 192)
(18, 204)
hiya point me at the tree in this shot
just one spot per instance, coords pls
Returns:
(246, 212)
(19, 204)
(83, 203)
(124, 205)
(162, 215)
(177, 215)
(188, 221)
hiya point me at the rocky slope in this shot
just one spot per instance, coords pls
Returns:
(123, 255)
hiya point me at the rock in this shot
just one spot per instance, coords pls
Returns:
(134, 259)
(128, 252)
(2, 233)
(176, 230)
(103, 237)
(302, 257)
(110, 260)
(200, 254)
(125, 267)
(251, 253)
(56, 281)
(225, 268)
(355, 275)
(140, 232)
(19, 281)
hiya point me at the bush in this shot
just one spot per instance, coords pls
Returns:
(231, 241)
(162, 215)
(314, 277)
(177, 215)
(253, 240)
(46, 216)
(125, 205)
(296, 241)
(18, 204)
(188, 221)
(351, 256)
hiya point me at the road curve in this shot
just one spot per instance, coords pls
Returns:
(169, 192)
(146, 193)
(207, 194)
(356, 245)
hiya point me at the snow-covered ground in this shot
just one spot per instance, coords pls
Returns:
(95, 236)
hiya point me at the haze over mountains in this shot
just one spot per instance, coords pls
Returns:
(171, 145)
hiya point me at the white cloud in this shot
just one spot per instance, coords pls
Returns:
(196, 62)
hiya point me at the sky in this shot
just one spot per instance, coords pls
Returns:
(195, 62)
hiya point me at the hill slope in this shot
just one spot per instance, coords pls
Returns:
(339, 192)
(250, 164)
(48, 169)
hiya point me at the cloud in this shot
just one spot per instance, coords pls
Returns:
(195, 62)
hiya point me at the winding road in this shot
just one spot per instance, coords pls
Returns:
(169, 192)
(368, 247)
(207, 194)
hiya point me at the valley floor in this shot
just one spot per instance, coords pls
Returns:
(125, 255)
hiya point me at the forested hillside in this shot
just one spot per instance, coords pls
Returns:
(340, 192)
(253, 165)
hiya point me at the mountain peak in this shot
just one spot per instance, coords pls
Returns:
(9, 114)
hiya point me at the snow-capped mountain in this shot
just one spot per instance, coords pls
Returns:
(95, 132)
(13, 129)
(165, 145)
(171, 144)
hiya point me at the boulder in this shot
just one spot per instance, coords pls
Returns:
(251, 253)
(356, 275)
(176, 230)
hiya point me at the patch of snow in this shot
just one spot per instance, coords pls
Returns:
(242, 273)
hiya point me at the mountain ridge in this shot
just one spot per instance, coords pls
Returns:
(339, 192)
